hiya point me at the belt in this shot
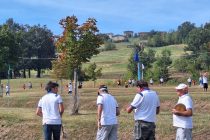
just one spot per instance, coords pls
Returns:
(141, 121)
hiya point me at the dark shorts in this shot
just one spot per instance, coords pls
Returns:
(205, 85)
(144, 130)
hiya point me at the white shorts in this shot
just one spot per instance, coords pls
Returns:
(183, 134)
(107, 132)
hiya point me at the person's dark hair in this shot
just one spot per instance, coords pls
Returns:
(103, 88)
(141, 84)
(51, 85)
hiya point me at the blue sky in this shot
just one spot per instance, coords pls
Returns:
(113, 16)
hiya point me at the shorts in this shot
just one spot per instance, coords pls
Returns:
(107, 132)
(144, 130)
(183, 134)
(205, 85)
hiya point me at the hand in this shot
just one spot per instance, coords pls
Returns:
(174, 111)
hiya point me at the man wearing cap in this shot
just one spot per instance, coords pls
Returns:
(146, 105)
(50, 108)
(106, 115)
(182, 120)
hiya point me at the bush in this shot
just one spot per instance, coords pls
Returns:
(109, 46)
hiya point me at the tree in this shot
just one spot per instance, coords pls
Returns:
(92, 73)
(183, 31)
(162, 64)
(78, 44)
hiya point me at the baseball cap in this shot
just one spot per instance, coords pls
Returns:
(181, 86)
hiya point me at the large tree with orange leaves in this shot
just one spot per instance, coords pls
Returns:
(77, 45)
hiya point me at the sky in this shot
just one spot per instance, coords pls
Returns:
(113, 16)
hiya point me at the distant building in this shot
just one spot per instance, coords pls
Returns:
(128, 34)
(119, 38)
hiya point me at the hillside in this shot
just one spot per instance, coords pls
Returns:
(114, 63)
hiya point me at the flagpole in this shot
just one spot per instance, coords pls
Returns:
(139, 73)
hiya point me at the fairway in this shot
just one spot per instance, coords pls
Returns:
(18, 119)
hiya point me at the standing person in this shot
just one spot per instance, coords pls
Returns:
(70, 88)
(201, 81)
(151, 81)
(50, 108)
(107, 113)
(161, 80)
(7, 89)
(146, 105)
(29, 85)
(182, 120)
(189, 80)
(205, 82)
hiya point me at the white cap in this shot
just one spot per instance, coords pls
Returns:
(181, 86)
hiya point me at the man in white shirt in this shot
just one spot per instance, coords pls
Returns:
(182, 120)
(50, 108)
(205, 82)
(70, 88)
(107, 113)
(146, 105)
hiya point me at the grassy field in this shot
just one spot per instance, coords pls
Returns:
(18, 119)
(114, 63)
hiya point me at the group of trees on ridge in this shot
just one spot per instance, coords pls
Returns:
(23, 46)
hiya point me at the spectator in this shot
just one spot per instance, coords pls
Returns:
(50, 108)
(182, 120)
(146, 105)
(106, 114)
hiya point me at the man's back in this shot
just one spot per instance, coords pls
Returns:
(146, 106)
(109, 103)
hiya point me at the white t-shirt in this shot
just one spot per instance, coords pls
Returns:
(70, 87)
(182, 121)
(109, 104)
(205, 80)
(50, 108)
(189, 80)
(145, 104)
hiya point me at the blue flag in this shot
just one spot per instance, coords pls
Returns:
(136, 57)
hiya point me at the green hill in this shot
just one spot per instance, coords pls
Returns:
(114, 63)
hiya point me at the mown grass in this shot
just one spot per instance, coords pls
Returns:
(17, 112)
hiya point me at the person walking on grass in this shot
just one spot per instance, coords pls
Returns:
(107, 113)
(182, 120)
(70, 88)
(146, 105)
(50, 108)
(205, 82)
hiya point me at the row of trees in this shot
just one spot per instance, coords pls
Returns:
(195, 60)
(23, 46)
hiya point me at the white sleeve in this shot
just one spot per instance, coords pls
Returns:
(40, 103)
(137, 100)
(189, 103)
(99, 100)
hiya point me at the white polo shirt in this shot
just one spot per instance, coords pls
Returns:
(50, 108)
(182, 121)
(145, 104)
(109, 105)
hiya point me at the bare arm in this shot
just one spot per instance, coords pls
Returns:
(117, 111)
(61, 108)
(129, 109)
(99, 111)
(186, 113)
(39, 111)
(158, 110)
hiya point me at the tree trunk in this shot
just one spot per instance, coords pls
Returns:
(29, 73)
(75, 108)
(38, 75)
(24, 73)
(1, 89)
